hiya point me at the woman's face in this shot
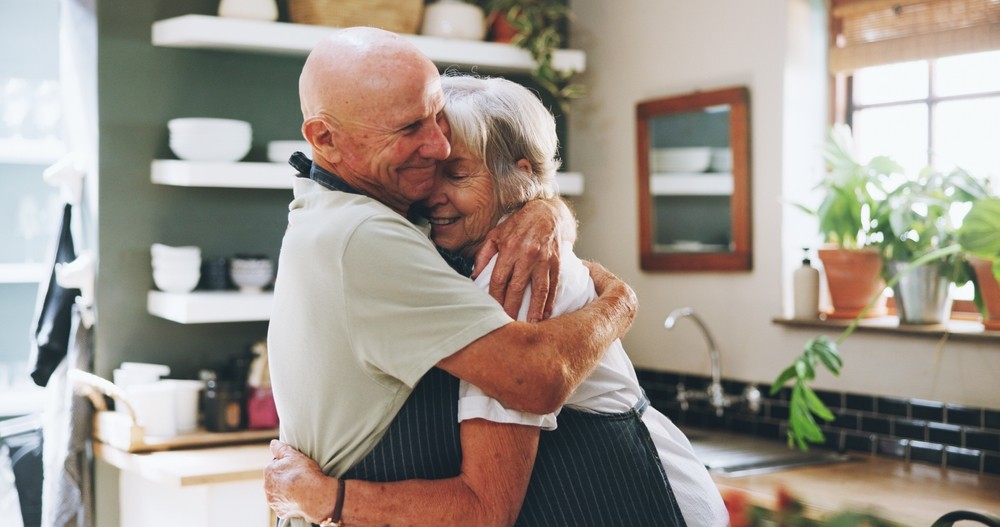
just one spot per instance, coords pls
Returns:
(462, 207)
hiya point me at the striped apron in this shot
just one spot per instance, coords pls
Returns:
(593, 470)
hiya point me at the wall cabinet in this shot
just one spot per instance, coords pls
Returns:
(279, 38)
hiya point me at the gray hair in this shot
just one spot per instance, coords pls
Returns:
(501, 122)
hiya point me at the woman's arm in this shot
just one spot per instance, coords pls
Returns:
(527, 245)
(496, 467)
(535, 367)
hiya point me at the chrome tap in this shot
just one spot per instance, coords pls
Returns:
(715, 394)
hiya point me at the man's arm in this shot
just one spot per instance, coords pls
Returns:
(496, 466)
(528, 247)
(535, 367)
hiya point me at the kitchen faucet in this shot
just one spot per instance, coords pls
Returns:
(715, 394)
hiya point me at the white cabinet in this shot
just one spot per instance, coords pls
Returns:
(200, 487)
(279, 38)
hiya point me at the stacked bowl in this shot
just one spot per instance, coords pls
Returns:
(210, 139)
(176, 269)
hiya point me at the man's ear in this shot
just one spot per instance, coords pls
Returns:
(524, 166)
(320, 137)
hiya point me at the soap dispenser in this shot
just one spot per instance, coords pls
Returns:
(805, 288)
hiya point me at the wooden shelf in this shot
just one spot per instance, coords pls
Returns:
(954, 329)
(270, 175)
(281, 38)
(22, 273)
(701, 184)
(201, 307)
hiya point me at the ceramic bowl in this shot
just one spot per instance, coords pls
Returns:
(251, 274)
(207, 139)
(176, 281)
(687, 159)
(163, 252)
(454, 19)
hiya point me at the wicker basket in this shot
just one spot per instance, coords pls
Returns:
(401, 16)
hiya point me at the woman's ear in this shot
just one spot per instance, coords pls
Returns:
(524, 166)
(320, 138)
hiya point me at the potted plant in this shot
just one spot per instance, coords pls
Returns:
(915, 219)
(851, 191)
(535, 26)
(978, 236)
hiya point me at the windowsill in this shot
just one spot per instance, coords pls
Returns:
(954, 329)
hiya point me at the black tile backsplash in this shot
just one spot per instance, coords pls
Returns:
(957, 436)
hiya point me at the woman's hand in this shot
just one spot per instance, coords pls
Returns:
(296, 487)
(528, 247)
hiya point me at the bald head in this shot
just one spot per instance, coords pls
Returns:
(373, 112)
(345, 69)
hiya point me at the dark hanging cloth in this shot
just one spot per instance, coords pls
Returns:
(51, 338)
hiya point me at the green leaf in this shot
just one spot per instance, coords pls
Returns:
(783, 377)
(826, 351)
(980, 231)
(803, 370)
(815, 405)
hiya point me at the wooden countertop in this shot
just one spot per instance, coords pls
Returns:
(198, 466)
(910, 493)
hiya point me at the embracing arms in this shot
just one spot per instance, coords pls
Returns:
(535, 367)
(496, 467)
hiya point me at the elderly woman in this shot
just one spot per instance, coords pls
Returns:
(504, 149)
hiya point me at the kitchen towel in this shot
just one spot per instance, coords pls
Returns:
(54, 313)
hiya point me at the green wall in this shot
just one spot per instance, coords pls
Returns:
(141, 87)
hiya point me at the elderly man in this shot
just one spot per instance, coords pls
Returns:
(364, 306)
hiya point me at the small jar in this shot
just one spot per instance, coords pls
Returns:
(223, 406)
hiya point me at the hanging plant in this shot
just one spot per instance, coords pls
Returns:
(537, 30)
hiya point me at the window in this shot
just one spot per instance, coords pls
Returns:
(941, 112)
(919, 81)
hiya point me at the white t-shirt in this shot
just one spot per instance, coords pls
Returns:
(612, 388)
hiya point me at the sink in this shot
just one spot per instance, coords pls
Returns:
(734, 455)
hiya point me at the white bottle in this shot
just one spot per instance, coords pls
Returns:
(805, 289)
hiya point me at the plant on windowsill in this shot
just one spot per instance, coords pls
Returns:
(536, 29)
(978, 236)
(850, 193)
(916, 219)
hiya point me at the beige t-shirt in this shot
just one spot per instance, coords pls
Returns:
(363, 307)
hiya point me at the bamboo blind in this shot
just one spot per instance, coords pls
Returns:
(874, 32)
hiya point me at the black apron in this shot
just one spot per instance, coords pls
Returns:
(594, 469)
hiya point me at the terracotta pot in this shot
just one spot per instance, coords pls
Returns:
(853, 277)
(500, 29)
(989, 290)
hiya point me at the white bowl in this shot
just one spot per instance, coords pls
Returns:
(159, 250)
(280, 151)
(208, 125)
(208, 139)
(175, 281)
(454, 19)
(687, 159)
(251, 275)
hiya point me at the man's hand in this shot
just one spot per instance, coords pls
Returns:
(528, 247)
(296, 487)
